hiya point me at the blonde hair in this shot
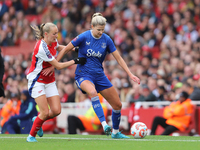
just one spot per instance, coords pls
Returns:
(39, 32)
(98, 19)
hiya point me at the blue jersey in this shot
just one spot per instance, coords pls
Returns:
(94, 50)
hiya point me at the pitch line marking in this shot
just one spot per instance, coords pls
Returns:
(103, 139)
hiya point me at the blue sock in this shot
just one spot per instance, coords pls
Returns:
(98, 108)
(116, 117)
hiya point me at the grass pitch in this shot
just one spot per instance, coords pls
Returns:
(98, 142)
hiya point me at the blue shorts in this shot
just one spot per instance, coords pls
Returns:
(101, 82)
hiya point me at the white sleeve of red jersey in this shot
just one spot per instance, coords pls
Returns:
(57, 44)
(44, 53)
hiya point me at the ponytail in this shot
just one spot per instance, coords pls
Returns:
(39, 32)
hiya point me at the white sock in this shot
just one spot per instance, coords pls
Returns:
(115, 131)
(104, 124)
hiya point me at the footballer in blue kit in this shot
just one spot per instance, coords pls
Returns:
(94, 50)
(93, 45)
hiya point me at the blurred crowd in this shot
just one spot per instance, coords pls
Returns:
(159, 40)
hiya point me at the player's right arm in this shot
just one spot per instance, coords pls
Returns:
(55, 63)
(59, 65)
(75, 42)
(45, 55)
(49, 71)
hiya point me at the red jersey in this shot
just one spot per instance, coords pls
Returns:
(42, 54)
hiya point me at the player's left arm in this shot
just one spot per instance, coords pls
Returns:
(124, 66)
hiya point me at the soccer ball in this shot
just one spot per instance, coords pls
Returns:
(139, 130)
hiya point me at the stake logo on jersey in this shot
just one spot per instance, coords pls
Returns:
(90, 52)
(94, 50)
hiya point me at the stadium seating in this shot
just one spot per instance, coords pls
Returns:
(26, 48)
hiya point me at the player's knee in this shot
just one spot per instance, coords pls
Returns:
(56, 112)
(117, 106)
(92, 93)
(44, 115)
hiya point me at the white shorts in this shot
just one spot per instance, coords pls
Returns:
(39, 89)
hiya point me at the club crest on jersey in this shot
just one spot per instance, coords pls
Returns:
(103, 45)
(75, 38)
(46, 50)
(90, 52)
